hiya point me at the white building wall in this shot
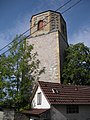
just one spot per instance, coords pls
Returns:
(44, 103)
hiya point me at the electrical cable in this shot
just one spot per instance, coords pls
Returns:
(33, 26)
(14, 40)
(71, 7)
(43, 26)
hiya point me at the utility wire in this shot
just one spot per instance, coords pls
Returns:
(14, 40)
(71, 6)
(33, 26)
(43, 26)
(63, 5)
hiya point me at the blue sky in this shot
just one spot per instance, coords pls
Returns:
(15, 16)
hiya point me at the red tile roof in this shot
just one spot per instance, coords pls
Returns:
(35, 112)
(65, 94)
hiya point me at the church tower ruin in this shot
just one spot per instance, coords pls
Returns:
(49, 36)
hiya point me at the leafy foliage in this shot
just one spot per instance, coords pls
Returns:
(18, 71)
(2, 75)
(77, 65)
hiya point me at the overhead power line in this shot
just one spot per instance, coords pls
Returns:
(71, 6)
(14, 40)
(33, 26)
(63, 5)
(36, 24)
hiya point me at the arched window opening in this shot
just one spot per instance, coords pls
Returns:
(40, 25)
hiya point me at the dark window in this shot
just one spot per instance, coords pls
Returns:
(40, 25)
(63, 28)
(39, 98)
(72, 109)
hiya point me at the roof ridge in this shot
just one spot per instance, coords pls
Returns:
(64, 84)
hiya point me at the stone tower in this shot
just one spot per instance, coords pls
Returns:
(49, 36)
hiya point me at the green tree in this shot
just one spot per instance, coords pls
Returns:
(76, 69)
(2, 76)
(21, 70)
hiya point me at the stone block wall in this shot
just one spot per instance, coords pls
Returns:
(20, 116)
(11, 114)
(8, 114)
(34, 23)
(51, 21)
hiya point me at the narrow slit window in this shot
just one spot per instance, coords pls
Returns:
(39, 98)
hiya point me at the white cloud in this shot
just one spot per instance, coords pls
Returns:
(82, 35)
(20, 26)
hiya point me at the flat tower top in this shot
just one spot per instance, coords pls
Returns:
(48, 21)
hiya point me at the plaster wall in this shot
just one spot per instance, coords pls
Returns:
(63, 44)
(47, 47)
(59, 113)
